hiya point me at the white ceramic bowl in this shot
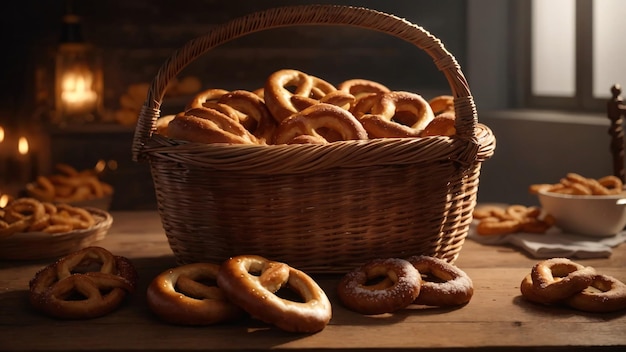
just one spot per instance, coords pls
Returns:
(600, 216)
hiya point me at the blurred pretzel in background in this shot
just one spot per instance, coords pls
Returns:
(576, 184)
(69, 185)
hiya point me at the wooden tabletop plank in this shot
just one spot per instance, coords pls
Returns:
(496, 318)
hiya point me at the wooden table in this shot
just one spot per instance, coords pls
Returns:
(496, 319)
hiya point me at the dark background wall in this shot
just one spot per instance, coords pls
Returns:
(136, 37)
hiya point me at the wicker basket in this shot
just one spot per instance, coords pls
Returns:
(39, 245)
(321, 208)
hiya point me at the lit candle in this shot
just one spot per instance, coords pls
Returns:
(77, 95)
(25, 162)
(3, 158)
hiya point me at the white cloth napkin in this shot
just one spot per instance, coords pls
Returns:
(555, 243)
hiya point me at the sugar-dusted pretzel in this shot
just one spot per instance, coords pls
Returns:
(252, 113)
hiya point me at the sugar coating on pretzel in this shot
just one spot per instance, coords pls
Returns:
(252, 282)
(360, 291)
(362, 87)
(88, 283)
(443, 284)
(185, 295)
(397, 114)
(604, 294)
(327, 122)
(205, 125)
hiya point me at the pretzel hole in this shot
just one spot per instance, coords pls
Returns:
(289, 293)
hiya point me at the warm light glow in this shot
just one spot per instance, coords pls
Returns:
(4, 200)
(1, 134)
(76, 91)
(22, 146)
(100, 165)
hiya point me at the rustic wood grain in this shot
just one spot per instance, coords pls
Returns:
(496, 319)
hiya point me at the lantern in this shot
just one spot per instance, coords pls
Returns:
(78, 76)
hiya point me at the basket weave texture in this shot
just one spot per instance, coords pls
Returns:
(320, 208)
(39, 245)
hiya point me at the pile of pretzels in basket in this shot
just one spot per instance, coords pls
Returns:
(294, 107)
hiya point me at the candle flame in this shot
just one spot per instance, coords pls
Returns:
(1, 134)
(4, 200)
(22, 146)
(77, 87)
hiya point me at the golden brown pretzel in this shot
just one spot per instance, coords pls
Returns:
(443, 284)
(442, 125)
(205, 125)
(556, 279)
(252, 281)
(442, 104)
(604, 294)
(181, 296)
(278, 96)
(85, 284)
(326, 122)
(356, 292)
(205, 97)
(362, 87)
(386, 113)
(253, 114)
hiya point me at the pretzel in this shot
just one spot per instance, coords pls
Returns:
(604, 294)
(252, 281)
(68, 185)
(360, 88)
(204, 125)
(357, 294)
(180, 296)
(88, 283)
(442, 104)
(577, 184)
(339, 98)
(443, 284)
(204, 98)
(564, 282)
(494, 221)
(278, 97)
(442, 125)
(328, 123)
(559, 278)
(254, 115)
(31, 215)
(397, 115)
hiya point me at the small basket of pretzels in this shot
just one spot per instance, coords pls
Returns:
(31, 229)
(322, 175)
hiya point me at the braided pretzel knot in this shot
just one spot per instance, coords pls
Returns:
(252, 281)
(278, 96)
(86, 284)
(252, 113)
(325, 123)
(183, 296)
(397, 115)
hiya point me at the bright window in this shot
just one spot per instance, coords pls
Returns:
(577, 52)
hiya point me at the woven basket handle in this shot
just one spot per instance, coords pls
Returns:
(309, 15)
